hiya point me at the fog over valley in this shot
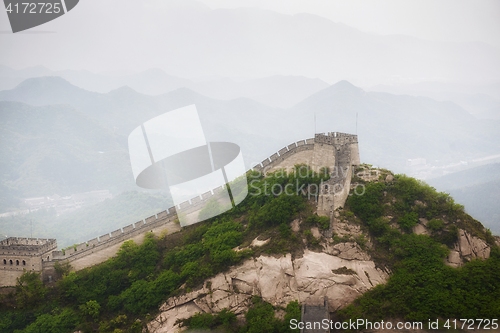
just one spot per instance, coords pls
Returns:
(261, 76)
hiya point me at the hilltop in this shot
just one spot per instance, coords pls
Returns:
(399, 242)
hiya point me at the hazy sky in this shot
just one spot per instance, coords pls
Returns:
(450, 20)
(197, 42)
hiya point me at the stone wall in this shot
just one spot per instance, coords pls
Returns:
(40, 255)
(106, 246)
(287, 157)
(102, 248)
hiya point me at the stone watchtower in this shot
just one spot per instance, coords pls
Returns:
(337, 151)
(340, 153)
(18, 255)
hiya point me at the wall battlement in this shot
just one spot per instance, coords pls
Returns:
(335, 139)
(41, 254)
(27, 246)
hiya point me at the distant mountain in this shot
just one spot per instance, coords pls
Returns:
(107, 109)
(56, 149)
(482, 101)
(44, 91)
(394, 128)
(72, 140)
(275, 91)
(391, 128)
(9, 78)
(124, 109)
(481, 201)
(478, 189)
(470, 177)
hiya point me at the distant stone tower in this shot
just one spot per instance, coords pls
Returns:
(23, 254)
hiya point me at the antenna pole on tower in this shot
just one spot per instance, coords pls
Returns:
(356, 123)
(315, 123)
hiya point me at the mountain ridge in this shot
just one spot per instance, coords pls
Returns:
(385, 122)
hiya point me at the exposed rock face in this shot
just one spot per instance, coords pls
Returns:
(467, 248)
(370, 175)
(278, 281)
(342, 228)
(348, 251)
(315, 232)
(421, 227)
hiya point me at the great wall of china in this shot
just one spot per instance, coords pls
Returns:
(337, 151)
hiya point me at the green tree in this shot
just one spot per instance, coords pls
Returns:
(260, 317)
(30, 290)
(292, 311)
(62, 269)
(91, 309)
(63, 322)
(408, 221)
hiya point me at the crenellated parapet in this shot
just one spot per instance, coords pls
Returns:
(335, 138)
(346, 146)
(284, 153)
(27, 246)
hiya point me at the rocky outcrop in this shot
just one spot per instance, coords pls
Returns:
(467, 248)
(421, 227)
(348, 251)
(278, 281)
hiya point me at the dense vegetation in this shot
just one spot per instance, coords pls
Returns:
(422, 287)
(259, 318)
(121, 294)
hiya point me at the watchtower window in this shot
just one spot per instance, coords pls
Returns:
(10, 262)
(5, 262)
(47, 258)
(24, 262)
(17, 262)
